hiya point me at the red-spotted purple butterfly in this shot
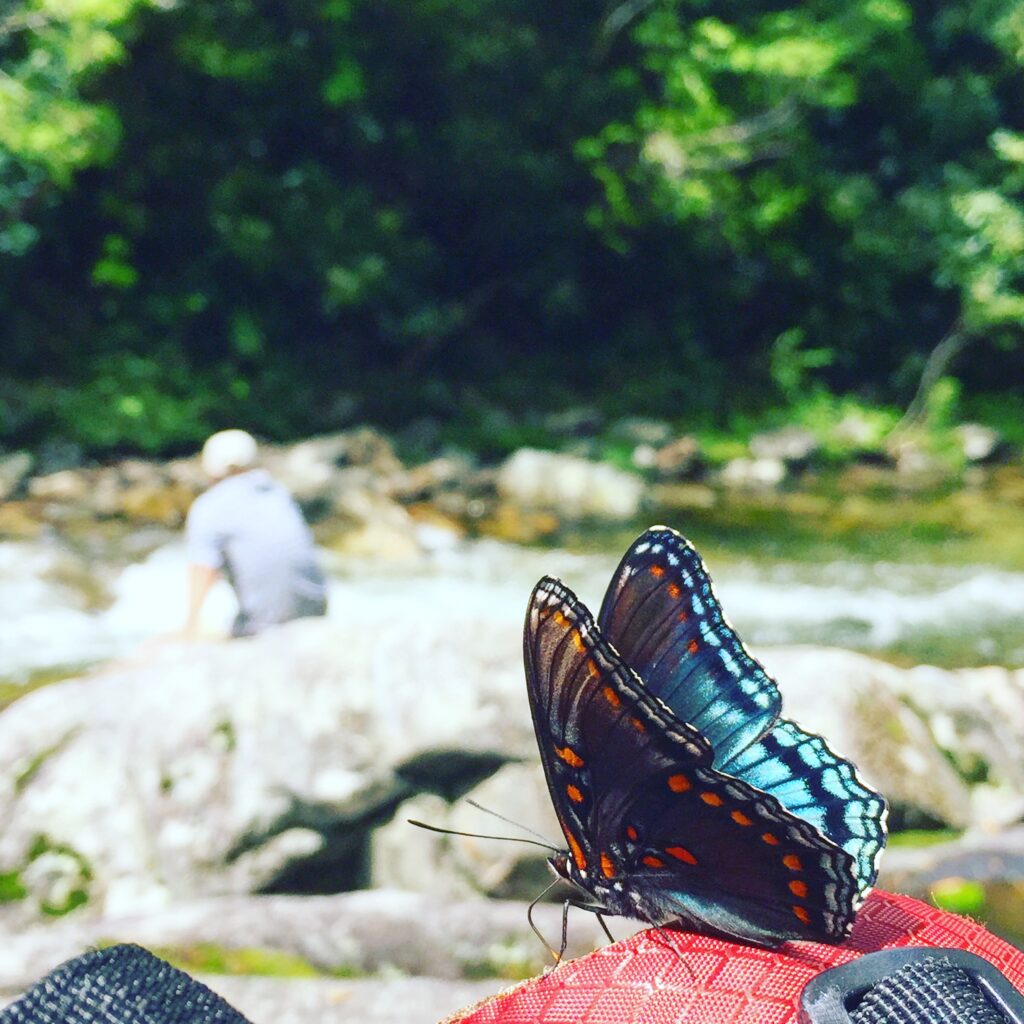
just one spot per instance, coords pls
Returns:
(683, 796)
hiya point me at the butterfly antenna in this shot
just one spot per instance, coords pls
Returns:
(481, 835)
(509, 821)
(536, 931)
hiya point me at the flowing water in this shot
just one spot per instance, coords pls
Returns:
(61, 610)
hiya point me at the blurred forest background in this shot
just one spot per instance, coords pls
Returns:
(285, 215)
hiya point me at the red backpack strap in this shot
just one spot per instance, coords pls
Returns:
(663, 975)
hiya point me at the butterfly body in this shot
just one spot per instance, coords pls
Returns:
(681, 794)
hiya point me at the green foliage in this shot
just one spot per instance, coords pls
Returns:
(209, 958)
(852, 167)
(959, 896)
(507, 958)
(921, 838)
(236, 213)
(76, 893)
(12, 888)
(1002, 411)
(791, 363)
(31, 767)
(138, 402)
(842, 424)
(50, 49)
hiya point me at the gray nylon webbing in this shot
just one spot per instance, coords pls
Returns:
(121, 985)
(932, 991)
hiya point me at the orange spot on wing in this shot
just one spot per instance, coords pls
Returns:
(681, 853)
(741, 819)
(631, 833)
(798, 889)
(593, 669)
(692, 646)
(792, 861)
(577, 641)
(560, 619)
(652, 862)
(569, 756)
(712, 799)
(657, 571)
(802, 914)
(578, 856)
(674, 590)
(682, 616)
(768, 838)
(638, 725)
(679, 783)
(612, 697)
(574, 794)
(607, 867)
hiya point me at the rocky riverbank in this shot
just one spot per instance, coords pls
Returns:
(364, 499)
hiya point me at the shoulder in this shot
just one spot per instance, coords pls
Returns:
(210, 505)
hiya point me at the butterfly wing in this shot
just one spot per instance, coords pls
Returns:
(654, 831)
(585, 732)
(810, 781)
(661, 615)
(723, 856)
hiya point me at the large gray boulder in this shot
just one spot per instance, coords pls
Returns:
(575, 488)
(870, 712)
(14, 469)
(269, 764)
(856, 703)
(212, 768)
(349, 934)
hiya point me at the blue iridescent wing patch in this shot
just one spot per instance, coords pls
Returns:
(661, 614)
(819, 786)
(682, 796)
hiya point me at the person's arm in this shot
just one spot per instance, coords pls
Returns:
(200, 579)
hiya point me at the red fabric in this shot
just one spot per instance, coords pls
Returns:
(671, 977)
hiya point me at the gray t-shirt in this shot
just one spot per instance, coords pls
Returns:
(250, 528)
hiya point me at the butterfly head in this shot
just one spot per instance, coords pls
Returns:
(564, 867)
(560, 867)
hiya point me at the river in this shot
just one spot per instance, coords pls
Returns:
(62, 610)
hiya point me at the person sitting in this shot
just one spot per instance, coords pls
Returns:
(248, 527)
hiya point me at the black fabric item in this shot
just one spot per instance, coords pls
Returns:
(932, 991)
(120, 985)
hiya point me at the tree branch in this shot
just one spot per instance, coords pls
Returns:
(952, 344)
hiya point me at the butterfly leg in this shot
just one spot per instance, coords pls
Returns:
(565, 932)
(675, 949)
(591, 908)
(536, 931)
(604, 925)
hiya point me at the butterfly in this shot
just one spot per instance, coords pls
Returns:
(682, 794)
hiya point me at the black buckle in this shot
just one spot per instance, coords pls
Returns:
(829, 997)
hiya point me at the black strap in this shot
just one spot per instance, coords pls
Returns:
(120, 985)
(929, 992)
(913, 986)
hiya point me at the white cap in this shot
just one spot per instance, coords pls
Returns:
(227, 451)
